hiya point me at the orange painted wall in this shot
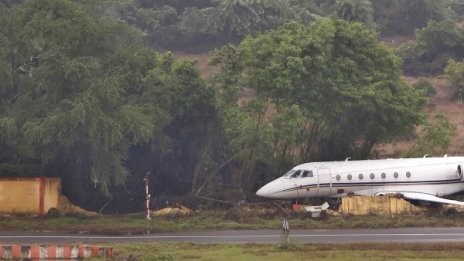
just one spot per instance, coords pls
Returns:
(25, 195)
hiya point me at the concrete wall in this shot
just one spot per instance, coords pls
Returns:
(29, 195)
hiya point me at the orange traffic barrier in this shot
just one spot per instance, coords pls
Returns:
(8, 252)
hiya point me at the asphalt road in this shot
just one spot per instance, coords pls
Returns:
(413, 235)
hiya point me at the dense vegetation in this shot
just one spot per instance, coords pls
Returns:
(89, 91)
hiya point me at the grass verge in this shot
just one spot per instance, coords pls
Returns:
(217, 220)
(231, 252)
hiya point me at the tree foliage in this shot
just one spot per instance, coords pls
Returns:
(84, 99)
(206, 24)
(455, 73)
(238, 18)
(69, 98)
(425, 86)
(79, 99)
(418, 13)
(458, 7)
(436, 44)
(435, 138)
(404, 16)
(338, 88)
(355, 10)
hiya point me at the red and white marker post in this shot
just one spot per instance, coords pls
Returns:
(147, 195)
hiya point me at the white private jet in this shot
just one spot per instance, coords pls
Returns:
(422, 179)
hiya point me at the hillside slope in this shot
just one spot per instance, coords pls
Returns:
(442, 102)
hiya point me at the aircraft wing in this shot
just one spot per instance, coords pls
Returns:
(428, 197)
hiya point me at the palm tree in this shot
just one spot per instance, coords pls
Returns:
(419, 12)
(238, 18)
(355, 10)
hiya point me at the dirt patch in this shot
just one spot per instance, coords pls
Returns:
(441, 102)
(397, 41)
(66, 207)
(202, 61)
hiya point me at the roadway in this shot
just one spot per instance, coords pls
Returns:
(410, 235)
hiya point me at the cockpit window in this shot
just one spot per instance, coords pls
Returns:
(296, 174)
(288, 174)
(307, 174)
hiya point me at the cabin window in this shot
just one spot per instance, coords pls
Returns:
(349, 177)
(372, 176)
(361, 176)
(395, 175)
(408, 174)
(307, 173)
(338, 177)
(383, 175)
(296, 174)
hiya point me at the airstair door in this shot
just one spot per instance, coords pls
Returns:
(324, 185)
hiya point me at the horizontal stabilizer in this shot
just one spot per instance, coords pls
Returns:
(430, 198)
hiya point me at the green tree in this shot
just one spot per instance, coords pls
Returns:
(435, 137)
(425, 86)
(404, 16)
(455, 73)
(196, 20)
(179, 5)
(84, 101)
(346, 85)
(3, 52)
(458, 7)
(355, 10)
(419, 12)
(77, 101)
(238, 18)
(436, 44)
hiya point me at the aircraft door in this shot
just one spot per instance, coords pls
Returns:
(324, 185)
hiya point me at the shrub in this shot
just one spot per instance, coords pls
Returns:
(53, 213)
(425, 86)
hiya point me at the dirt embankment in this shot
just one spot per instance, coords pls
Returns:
(444, 102)
(441, 102)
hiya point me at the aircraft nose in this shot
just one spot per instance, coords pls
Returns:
(262, 192)
(268, 190)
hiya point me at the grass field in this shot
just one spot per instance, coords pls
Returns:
(215, 220)
(343, 252)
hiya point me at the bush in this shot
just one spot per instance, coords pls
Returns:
(455, 74)
(425, 86)
(458, 7)
(53, 213)
(436, 44)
